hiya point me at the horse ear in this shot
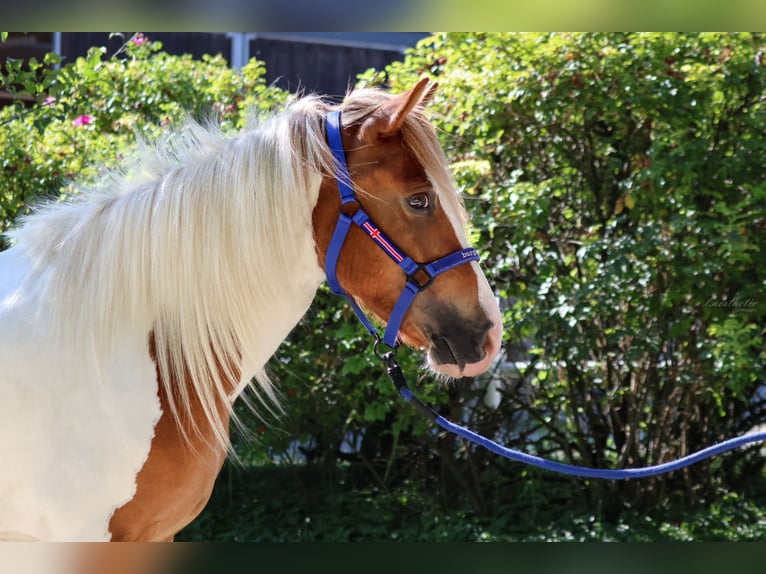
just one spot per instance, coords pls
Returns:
(389, 117)
(428, 96)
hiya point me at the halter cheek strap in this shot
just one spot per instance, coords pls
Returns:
(419, 275)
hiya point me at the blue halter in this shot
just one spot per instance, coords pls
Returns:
(419, 275)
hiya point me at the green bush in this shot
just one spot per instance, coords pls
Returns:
(298, 504)
(617, 183)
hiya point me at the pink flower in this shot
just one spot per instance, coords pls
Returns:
(82, 120)
(139, 39)
(49, 101)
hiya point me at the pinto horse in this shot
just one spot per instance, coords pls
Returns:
(132, 319)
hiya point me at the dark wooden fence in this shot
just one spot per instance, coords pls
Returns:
(326, 64)
(74, 44)
(318, 67)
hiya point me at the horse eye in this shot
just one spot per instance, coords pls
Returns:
(420, 201)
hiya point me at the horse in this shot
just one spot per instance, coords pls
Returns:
(133, 316)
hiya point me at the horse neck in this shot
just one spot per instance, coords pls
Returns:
(241, 272)
(275, 314)
(267, 233)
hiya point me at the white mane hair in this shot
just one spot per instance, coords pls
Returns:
(194, 238)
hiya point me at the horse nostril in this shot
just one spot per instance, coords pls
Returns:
(486, 340)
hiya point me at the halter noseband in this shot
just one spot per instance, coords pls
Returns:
(419, 275)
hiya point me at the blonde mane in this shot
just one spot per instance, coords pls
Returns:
(195, 239)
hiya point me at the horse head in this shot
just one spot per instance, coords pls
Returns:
(401, 179)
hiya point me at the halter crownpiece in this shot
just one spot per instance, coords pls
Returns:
(419, 275)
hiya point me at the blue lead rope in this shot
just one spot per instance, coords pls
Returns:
(412, 287)
(395, 372)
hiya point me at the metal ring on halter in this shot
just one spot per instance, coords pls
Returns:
(387, 357)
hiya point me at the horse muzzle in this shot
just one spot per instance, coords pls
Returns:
(460, 345)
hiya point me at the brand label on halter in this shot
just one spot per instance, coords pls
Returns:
(470, 253)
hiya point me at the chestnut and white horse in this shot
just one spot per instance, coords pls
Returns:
(132, 319)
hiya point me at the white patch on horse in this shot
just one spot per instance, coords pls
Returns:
(75, 435)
